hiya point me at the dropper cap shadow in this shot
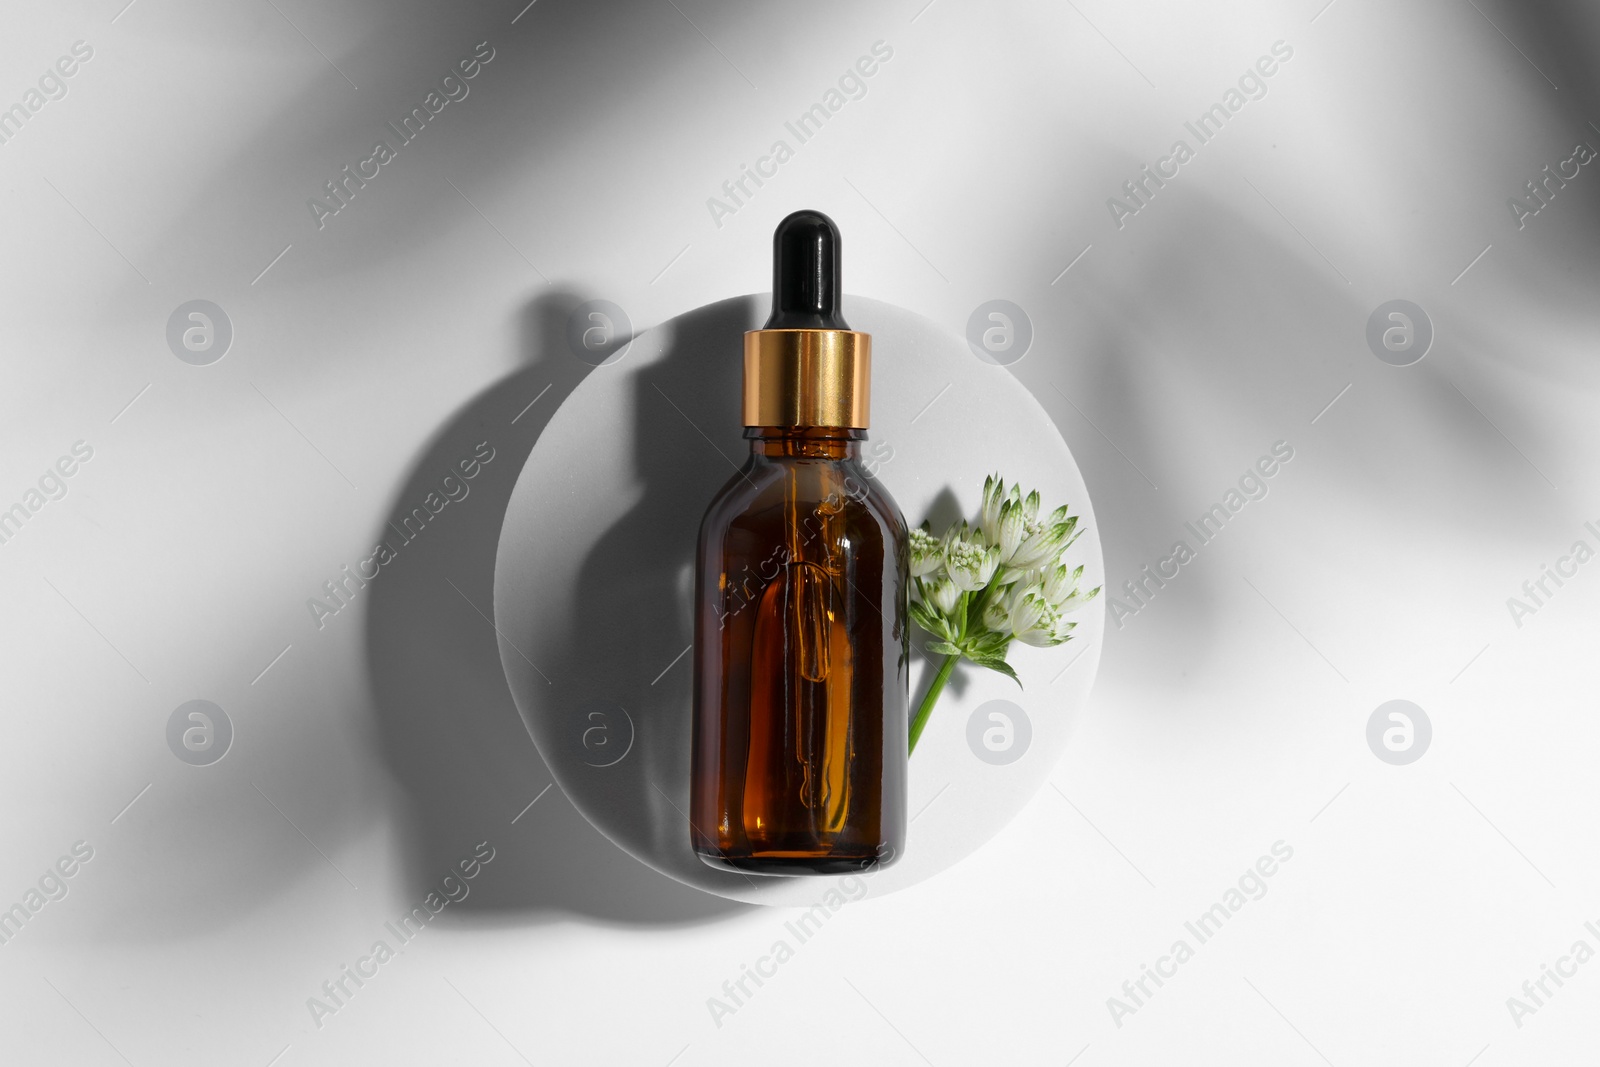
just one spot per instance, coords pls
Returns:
(806, 285)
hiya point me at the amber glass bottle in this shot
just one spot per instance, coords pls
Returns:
(801, 642)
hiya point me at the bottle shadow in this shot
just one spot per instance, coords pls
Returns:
(447, 726)
(632, 627)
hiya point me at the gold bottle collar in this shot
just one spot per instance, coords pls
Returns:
(807, 378)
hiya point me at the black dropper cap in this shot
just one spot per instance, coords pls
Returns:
(805, 274)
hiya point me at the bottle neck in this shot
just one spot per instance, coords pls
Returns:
(805, 442)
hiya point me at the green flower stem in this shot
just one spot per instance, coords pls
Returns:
(920, 720)
(981, 601)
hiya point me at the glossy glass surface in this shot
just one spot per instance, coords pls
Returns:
(801, 651)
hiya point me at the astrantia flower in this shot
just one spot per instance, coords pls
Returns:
(1046, 626)
(971, 565)
(994, 495)
(1002, 579)
(958, 533)
(1061, 589)
(1025, 606)
(1058, 583)
(1011, 529)
(942, 595)
(1077, 600)
(927, 552)
(1044, 541)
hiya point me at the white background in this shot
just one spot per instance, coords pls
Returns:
(1225, 316)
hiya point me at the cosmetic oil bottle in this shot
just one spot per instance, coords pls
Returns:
(801, 629)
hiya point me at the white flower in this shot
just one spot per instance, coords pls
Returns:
(1048, 633)
(970, 565)
(1011, 529)
(942, 594)
(1030, 507)
(1004, 599)
(1039, 623)
(1061, 586)
(957, 533)
(927, 553)
(1011, 561)
(1044, 541)
(994, 495)
(1024, 606)
(1077, 600)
